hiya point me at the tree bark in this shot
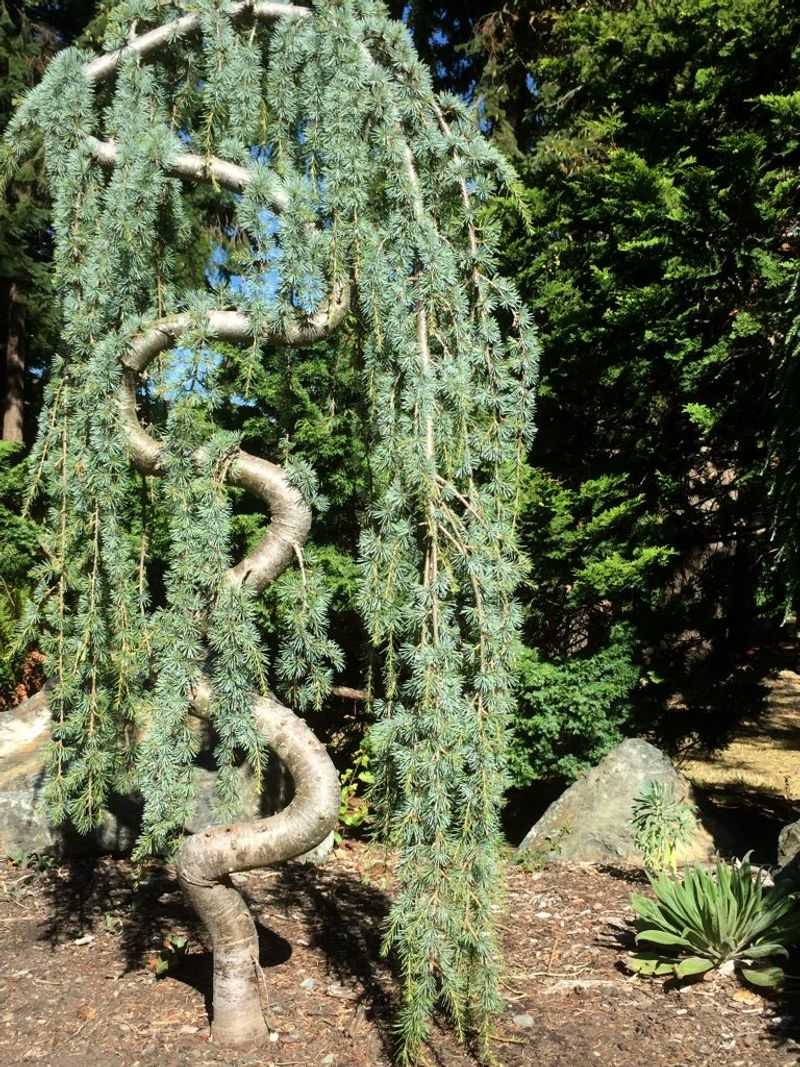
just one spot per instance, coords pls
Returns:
(14, 365)
(206, 860)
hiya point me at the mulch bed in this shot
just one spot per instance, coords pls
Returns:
(79, 947)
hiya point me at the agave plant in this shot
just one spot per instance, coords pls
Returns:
(707, 920)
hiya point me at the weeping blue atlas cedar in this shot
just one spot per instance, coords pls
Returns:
(357, 195)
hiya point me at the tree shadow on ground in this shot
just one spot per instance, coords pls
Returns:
(90, 893)
(340, 916)
(784, 1027)
(698, 710)
(76, 898)
(344, 918)
(141, 905)
(745, 819)
(196, 969)
(144, 905)
(634, 876)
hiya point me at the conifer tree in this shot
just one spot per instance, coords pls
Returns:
(355, 194)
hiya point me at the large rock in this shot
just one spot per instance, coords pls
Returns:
(23, 734)
(591, 821)
(787, 876)
(789, 843)
(24, 828)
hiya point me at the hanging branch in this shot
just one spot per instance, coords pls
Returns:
(359, 196)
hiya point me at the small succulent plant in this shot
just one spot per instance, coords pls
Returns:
(708, 920)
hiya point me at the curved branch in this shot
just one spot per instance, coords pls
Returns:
(235, 326)
(307, 820)
(346, 692)
(290, 521)
(290, 515)
(206, 860)
(106, 65)
(194, 168)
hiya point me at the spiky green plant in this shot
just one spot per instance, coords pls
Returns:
(707, 920)
(662, 823)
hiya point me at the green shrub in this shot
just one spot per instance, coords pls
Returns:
(661, 824)
(354, 810)
(18, 548)
(571, 713)
(706, 920)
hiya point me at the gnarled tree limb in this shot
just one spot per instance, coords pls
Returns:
(206, 860)
(192, 167)
(146, 43)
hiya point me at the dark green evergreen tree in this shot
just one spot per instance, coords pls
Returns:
(658, 142)
(29, 36)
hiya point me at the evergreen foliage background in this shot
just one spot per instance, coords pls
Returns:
(658, 143)
(29, 36)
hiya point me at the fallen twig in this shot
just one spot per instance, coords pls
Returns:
(509, 1040)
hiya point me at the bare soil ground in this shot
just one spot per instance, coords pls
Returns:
(78, 948)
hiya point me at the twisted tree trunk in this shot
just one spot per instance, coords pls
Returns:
(206, 860)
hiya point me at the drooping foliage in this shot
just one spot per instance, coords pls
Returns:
(28, 322)
(30, 34)
(18, 551)
(357, 175)
(24, 51)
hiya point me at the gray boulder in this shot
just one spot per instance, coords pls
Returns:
(24, 828)
(789, 843)
(590, 821)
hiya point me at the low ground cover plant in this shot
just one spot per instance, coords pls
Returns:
(725, 918)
